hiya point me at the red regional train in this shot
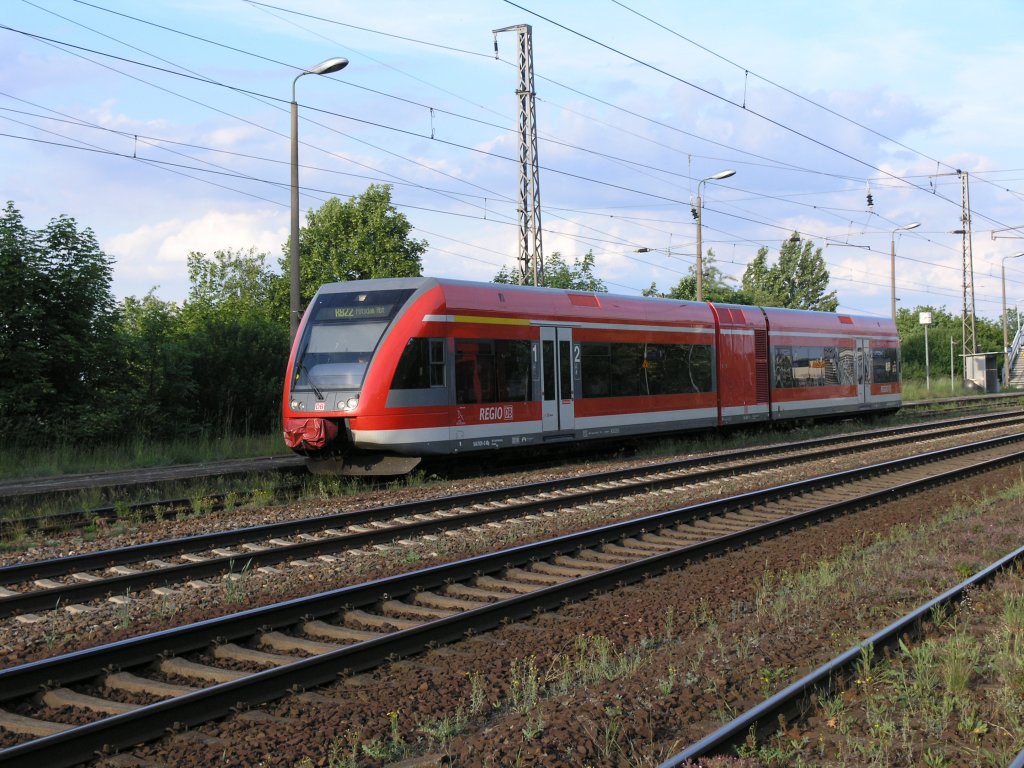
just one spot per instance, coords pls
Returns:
(385, 372)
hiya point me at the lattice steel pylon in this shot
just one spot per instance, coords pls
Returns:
(531, 252)
(969, 338)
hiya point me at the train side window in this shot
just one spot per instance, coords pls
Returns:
(474, 371)
(595, 365)
(831, 366)
(437, 362)
(628, 375)
(699, 368)
(801, 367)
(674, 369)
(630, 370)
(784, 367)
(421, 365)
(493, 371)
(548, 353)
(565, 370)
(847, 366)
(514, 379)
(884, 366)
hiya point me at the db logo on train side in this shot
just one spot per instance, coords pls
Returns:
(496, 413)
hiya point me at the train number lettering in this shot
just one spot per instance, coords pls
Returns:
(496, 413)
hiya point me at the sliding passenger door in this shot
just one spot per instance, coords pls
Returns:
(556, 376)
(863, 370)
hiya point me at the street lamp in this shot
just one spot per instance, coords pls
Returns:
(1006, 337)
(892, 262)
(323, 68)
(700, 257)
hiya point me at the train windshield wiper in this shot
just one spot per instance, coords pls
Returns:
(300, 367)
(309, 378)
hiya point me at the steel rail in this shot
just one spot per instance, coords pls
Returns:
(123, 556)
(793, 699)
(638, 479)
(45, 486)
(49, 486)
(151, 721)
(147, 510)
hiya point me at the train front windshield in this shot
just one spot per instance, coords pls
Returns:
(340, 338)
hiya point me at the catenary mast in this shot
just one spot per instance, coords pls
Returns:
(531, 253)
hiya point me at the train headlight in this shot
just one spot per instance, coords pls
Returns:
(349, 404)
(297, 405)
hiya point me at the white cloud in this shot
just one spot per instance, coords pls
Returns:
(155, 254)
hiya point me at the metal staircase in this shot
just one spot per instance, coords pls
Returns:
(1016, 361)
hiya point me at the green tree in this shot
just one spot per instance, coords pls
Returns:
(798, 280)
(945, 326)
(59, 354)
(81, 322)
(238, 340)
(158, 392)
(714, 285)
(23, 353)
(362, 238)
(579, 276)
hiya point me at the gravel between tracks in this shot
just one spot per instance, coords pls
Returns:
(686, 682)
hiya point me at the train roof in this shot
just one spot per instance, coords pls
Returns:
(555, 302)
(465, 297)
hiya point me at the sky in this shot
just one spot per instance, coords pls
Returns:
(164, 128)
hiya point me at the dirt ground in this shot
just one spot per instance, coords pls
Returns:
(624, 679)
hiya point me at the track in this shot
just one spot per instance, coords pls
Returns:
(23, 488)
(135, 690)
(67, 581)
(787, 705)
(27, 490)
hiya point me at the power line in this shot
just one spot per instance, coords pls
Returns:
(495, 195)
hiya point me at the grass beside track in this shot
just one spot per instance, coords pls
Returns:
(258, 490)
(63, 458)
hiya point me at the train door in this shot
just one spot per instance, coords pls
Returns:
(863, 370)
(557, 374)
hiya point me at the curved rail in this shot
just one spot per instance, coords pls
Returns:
(791, 700)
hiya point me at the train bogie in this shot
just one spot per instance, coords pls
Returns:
(386, 371)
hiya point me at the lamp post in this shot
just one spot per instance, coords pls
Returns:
(1006, 337)
(892, 262)
(926, 320)
(700, 257)
(323, 68)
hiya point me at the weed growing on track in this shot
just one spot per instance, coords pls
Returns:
(390, 749)
(200, 503)
(955, 697)
(534, 725)
(595, 658)
(168, 607)
(524, 689)
(668, 683)
(123, 612)
(342, 752)
(236, 585)
(444, 729)
(15, 538)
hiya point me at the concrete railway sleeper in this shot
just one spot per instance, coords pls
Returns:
(135, 690)
(67, 581)
(788, 705)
